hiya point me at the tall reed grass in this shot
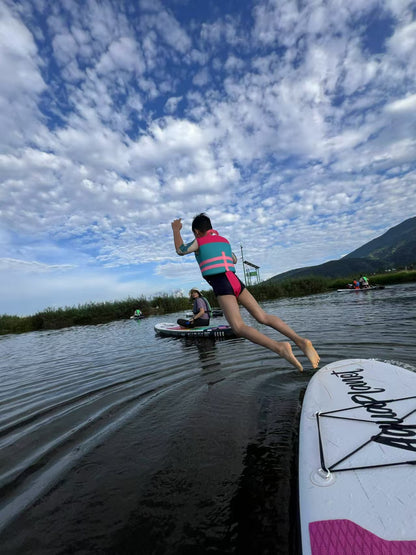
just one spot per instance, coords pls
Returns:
(101, 313)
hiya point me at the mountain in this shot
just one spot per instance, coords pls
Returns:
(394, 249)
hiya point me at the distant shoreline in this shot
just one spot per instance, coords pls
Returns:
(102, 313)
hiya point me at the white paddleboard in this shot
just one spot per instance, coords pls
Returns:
(174, 330)
(357, 460)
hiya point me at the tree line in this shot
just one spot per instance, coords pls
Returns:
(102, 313)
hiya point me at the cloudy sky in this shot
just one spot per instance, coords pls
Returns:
(291, 123)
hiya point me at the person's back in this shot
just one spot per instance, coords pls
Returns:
(200, 304)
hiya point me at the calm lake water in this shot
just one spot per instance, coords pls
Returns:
(116, 441)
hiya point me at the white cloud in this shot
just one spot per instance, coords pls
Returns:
(284, 128)
(403, 105)
(32, 267)
(403, 41)
(172, 103)
(201, 78)
(122, 54)
(19, 92)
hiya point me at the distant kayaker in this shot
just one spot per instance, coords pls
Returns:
(363, 282)
(217, 264)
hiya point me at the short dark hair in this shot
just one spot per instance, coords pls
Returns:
(201, 223)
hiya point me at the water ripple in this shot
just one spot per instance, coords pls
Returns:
(114, 437)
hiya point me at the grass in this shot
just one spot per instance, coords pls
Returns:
(101, 313)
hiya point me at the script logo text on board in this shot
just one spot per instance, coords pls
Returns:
(394, 431)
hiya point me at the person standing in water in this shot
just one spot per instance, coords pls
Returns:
(217, 264)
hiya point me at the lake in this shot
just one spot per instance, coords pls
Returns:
(115, 440)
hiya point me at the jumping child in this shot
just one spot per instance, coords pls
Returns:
(217, 264)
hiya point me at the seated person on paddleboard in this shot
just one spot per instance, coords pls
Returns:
(217, 264)
(200, 310)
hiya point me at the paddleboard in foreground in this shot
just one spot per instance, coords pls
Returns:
(357, 460)
(174, 330)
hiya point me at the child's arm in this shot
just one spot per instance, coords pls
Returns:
(180, 247)
(177, 237)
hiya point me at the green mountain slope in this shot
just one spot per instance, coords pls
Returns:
(396, 248)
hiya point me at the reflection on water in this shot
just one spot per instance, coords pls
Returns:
(115, 440)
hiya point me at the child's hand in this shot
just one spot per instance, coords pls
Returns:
(177, 224)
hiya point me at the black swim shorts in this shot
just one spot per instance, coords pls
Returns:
(226, 284)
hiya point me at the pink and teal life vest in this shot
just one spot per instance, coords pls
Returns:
(214, 255)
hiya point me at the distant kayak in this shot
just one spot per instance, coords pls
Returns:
(352, 290)
(174, 330)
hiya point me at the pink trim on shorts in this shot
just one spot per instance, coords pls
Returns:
(343, 537)
(234, 282)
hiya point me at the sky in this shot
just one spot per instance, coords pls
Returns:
(290, 123)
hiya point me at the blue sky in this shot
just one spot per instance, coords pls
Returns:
(292, 124)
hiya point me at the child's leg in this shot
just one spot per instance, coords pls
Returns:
(231, 310)
(304, 344)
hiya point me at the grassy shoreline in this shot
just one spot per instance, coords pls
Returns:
(102, 313)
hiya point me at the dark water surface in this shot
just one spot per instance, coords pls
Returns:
(114, 440)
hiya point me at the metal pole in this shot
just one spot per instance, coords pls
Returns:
(244, 268)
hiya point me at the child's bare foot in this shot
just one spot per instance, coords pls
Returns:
(284, 350)
(305, 345)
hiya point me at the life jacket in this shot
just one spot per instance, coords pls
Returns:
(214, 255)
(209, 309)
